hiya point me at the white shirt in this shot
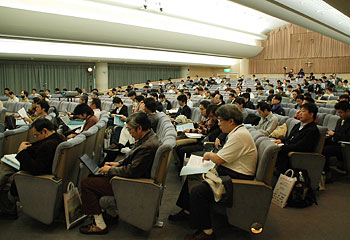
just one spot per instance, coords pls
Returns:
(15, 99)
(97, 113)
(239, 152)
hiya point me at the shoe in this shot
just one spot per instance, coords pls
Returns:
(200, 235)
(92, 229)
(8, 215)
(180, 216)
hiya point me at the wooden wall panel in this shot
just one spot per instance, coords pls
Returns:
(293, 46)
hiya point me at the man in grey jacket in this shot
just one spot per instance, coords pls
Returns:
(137, 164)
(268, 121)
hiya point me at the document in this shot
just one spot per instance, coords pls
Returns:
(71, 123)
(10, 159)
(194, 135)
(22, 112)
(196, 166)
(117, 121)
(172, 111)
(181, 127)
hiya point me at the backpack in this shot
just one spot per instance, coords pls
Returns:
(302, 194)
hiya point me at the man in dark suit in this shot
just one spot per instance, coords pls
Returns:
(302, 138)
(341, 133)
(183, 109)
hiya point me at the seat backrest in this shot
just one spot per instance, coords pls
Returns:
(89, 145)
(71, 106)
(256, 135)
(11, 107)
(167, 136)
(267, 155)
(292, 112)
(3, 111)
(99, 140)
(321, 140)
(195, 114)
(13, 138)
(326, 119)
(320, 118)
(63, 107)
(290, 124)
(66, 163)
(332, 122)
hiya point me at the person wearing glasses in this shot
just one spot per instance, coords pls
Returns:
(35, 158)
(137, 164)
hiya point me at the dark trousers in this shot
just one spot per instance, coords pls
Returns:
(187, 149)
(201, 196)
(282, 162)
(92, 189)
(331, 149)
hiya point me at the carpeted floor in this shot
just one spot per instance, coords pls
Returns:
(327, 221)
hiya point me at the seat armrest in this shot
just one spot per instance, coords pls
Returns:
(135, 180)
(291, 154)
(343, 142)
(46, 176)
(250, 182)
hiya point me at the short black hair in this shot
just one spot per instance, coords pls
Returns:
(344, 96)
(150, 104)
(139, 98)
(212, 109)
(188, 94)
(300, 96)
(117, 100)
(342, 105)
(311, 107)
(154, 94)
(239, 100)
(205, 103)
(36, 100)
(248, 90)
(278, 97)
(11, 93)
(161, 95)
(83, 108)
(97, 102)
(263, 105)
(220, 96)
(44, 105)
(40, 123)
(182, 98)
(6, 89)
(309, 99)
(246, 95)
(131, 93)
(25, 93)
(230, 111)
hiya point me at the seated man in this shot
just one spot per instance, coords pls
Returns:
(302, 138)
(341, 133)
(183, 109)
(35, 158)
(276, 105)
(42, 107)
(237, 159)
(137, 164)
(268, 121)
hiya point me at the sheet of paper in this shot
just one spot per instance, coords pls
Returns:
(172, 111)
(193, 135)
(182, 127)
(118, 121)
(10, 159)
(196, 166)
(22, 112)
(20, 122)
(65, 119)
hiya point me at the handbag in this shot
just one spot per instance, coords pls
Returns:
(283, 188)
(72, 206)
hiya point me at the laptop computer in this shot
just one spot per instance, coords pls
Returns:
(91, 165)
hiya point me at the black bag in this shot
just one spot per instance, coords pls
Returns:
(10, 122)
(302, 194)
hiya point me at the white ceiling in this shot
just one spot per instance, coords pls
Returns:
(207, 27)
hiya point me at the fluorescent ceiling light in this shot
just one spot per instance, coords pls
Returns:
(227, 22)
(10, 46)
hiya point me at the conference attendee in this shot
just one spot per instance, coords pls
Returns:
(41, 109)
(183, 109)
(276, 105)
(268, 121)
(6, 92)
(159, 105)
(34, 93)
(239, 102)
(341, 133)
(299, 101)
(95, 105)
(137, 164)
(31, 111)
(12, 97)
(165, 102)
(237, 159)
(189, 102)
(84, 113)
(302, 138)
(24, 96)
(343, 97)
(35, 158)
(219, 99)
(48, 93)
(247, 102)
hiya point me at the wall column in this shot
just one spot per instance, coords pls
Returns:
(184, 72)
(244, 67)
(101, 75)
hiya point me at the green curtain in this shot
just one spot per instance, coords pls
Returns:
(25, 75)
(125, 74)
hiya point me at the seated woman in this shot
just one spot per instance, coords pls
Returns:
(41, 111)
(212, 131)
(122, 112)
(85, 113)
(31, 111)
(82, 99)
